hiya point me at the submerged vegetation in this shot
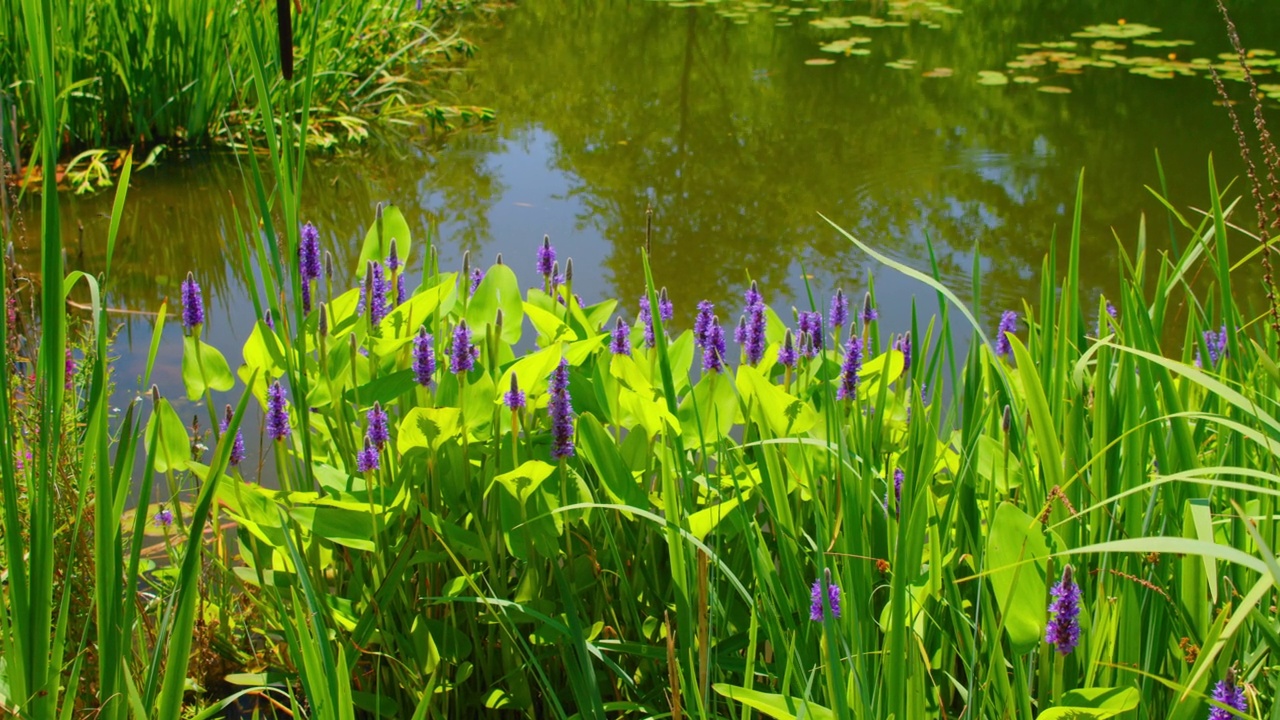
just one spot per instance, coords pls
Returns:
(480, 493)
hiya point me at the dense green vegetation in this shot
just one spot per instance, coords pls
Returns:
(485, 494)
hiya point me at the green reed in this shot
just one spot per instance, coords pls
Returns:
(173, 71)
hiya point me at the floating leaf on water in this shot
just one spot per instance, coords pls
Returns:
(844, 46)
(1157, 72)
(1116, 31)
(1103, 64)
(992, 77)
(1026, 79)
(1118, 59)
(819, 61)
(1261, 53)
(1271, 90)
(1063, 45)
(901, 64)
(1107, 45)
(1202, 61)
(1149, 43)
(1029, 46)
(1054, 89)
(940, 72)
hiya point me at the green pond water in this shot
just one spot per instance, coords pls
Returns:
(718, 118)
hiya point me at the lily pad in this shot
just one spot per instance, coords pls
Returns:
(844, 46)
(819, 61)
(1026, 79)
(1108, 45)
(940, 72)
(1116, 31)
(991, 77)
(1149, 43)
(1054, 89)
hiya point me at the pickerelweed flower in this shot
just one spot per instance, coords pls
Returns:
(811, 323)
(869, 311)
(277, 413)
(898, 477)
(1008, 324)
(377, 432)
(400, 289)
(1063, 630)
(513, 398)
(477, 275)
(237, 445)
(702, 323)
(376, 285)
(621, 343)
(903, 345)
(69, 370)
(367, 459)
(1111, 310)
(849, 370)
(713, 351)
(462, 355)
(787, 353)
(824, 596)
(424, 358)
(546, 258)
(646, 320)
(753, 340)
(560, 408)
(666, 310)
(1216, 342)
(164, 518)
(839, 315)
(393, 257)
(192, 304)
(1229, 692)
(309, 253)
(268, 319)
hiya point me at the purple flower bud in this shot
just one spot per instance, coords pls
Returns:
(237, 445)
(1008, 324)
(424, 358)
(277, 413)
(1063, 629)
(377, 432)
(903, 345)
(754, 344)
(621, 344)
(713, 350)
(811, 324)
(1229, 692)
(476, 276)
(268, 319)
(373, 293)
(69, 370)
(164, 518)
(1216, 342)
(848, 389)
(309, 253)
(367, 459)
(646, 320)
(787, 353)
(560, 408)
(824, 597)
(752, 296)
(400, 289)
(898, 477)
(462, 356)
(393, 257)
(666, 310)
(839, 316)
(702, 324)
(192, 304)
(546, 258)
(869, 311)
(513, 398)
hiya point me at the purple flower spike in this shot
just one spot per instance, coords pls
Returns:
(1063, 630)
(513, 398)
(1229, 692)
(277, 413)
(702, 324)
(462, 357)
(898, 477)
(560, 408)
(1216, 342)
(646, 320)
(848, 389)
(811, 324)
(367, 459)
(752, 296)
(621, 344)
(823, 597)
(713, 350)
(546, 258)
(903, 345)
(787, 353)
(753, 327)
(164, 518)
(377, 432)
(400, 289)
(1008, 324)
(839, 315)
(393, 257)
(237, 445)
(192, 304)
(69, 370)
(666, 310)
(309, 253)
(424, 358)
(476, 276)
(869, 311)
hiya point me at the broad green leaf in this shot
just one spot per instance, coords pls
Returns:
(773, 705)
(377, 247)
(1017, 558)
(427, 427)
(717, 408)
(499, 290)
(992, 467)
(784, 413)
(601, 452)
(346, 526)
(532, 372)
(525, 479)
(262, 351)
(204, 368)
(1112, 700)
(550, 328)
(167, 438)
(704, 521)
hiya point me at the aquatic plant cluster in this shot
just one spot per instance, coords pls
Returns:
(620, 487)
